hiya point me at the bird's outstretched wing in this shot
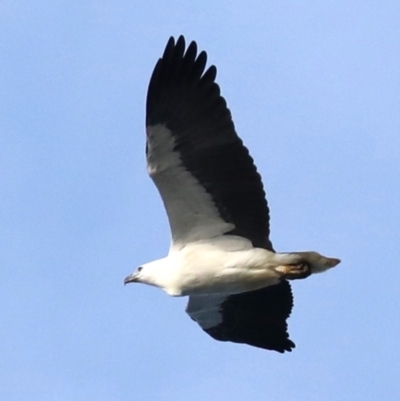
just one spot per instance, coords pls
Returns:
(205, 175)
(256, 318)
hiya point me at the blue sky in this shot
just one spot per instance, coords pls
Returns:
(314, 88)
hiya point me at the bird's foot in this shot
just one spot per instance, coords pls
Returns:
(295, 271)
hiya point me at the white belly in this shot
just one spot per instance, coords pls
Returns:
(227, 265)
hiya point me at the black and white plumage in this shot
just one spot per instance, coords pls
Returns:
(221, 255)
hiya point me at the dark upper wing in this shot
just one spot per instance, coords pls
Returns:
(257, 318)
(205, 175)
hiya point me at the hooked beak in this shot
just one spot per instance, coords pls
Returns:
(131, 279)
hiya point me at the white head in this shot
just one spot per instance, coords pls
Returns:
(154, 273)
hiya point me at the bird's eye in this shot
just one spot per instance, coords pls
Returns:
(139, 269)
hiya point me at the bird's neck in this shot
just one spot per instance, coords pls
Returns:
(161, 274)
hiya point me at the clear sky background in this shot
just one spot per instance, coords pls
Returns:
(314, 88)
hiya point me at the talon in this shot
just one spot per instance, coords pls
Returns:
(295, 271)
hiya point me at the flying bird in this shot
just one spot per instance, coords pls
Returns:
(221, 255)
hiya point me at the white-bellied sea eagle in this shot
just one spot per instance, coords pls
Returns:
(221, 255)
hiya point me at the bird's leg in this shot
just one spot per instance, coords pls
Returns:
(295, 271)
(298, 265)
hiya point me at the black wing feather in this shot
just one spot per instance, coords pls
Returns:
(184, 97)
(257, 318)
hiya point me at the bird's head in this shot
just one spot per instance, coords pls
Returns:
(136, 277)
(153, 273)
